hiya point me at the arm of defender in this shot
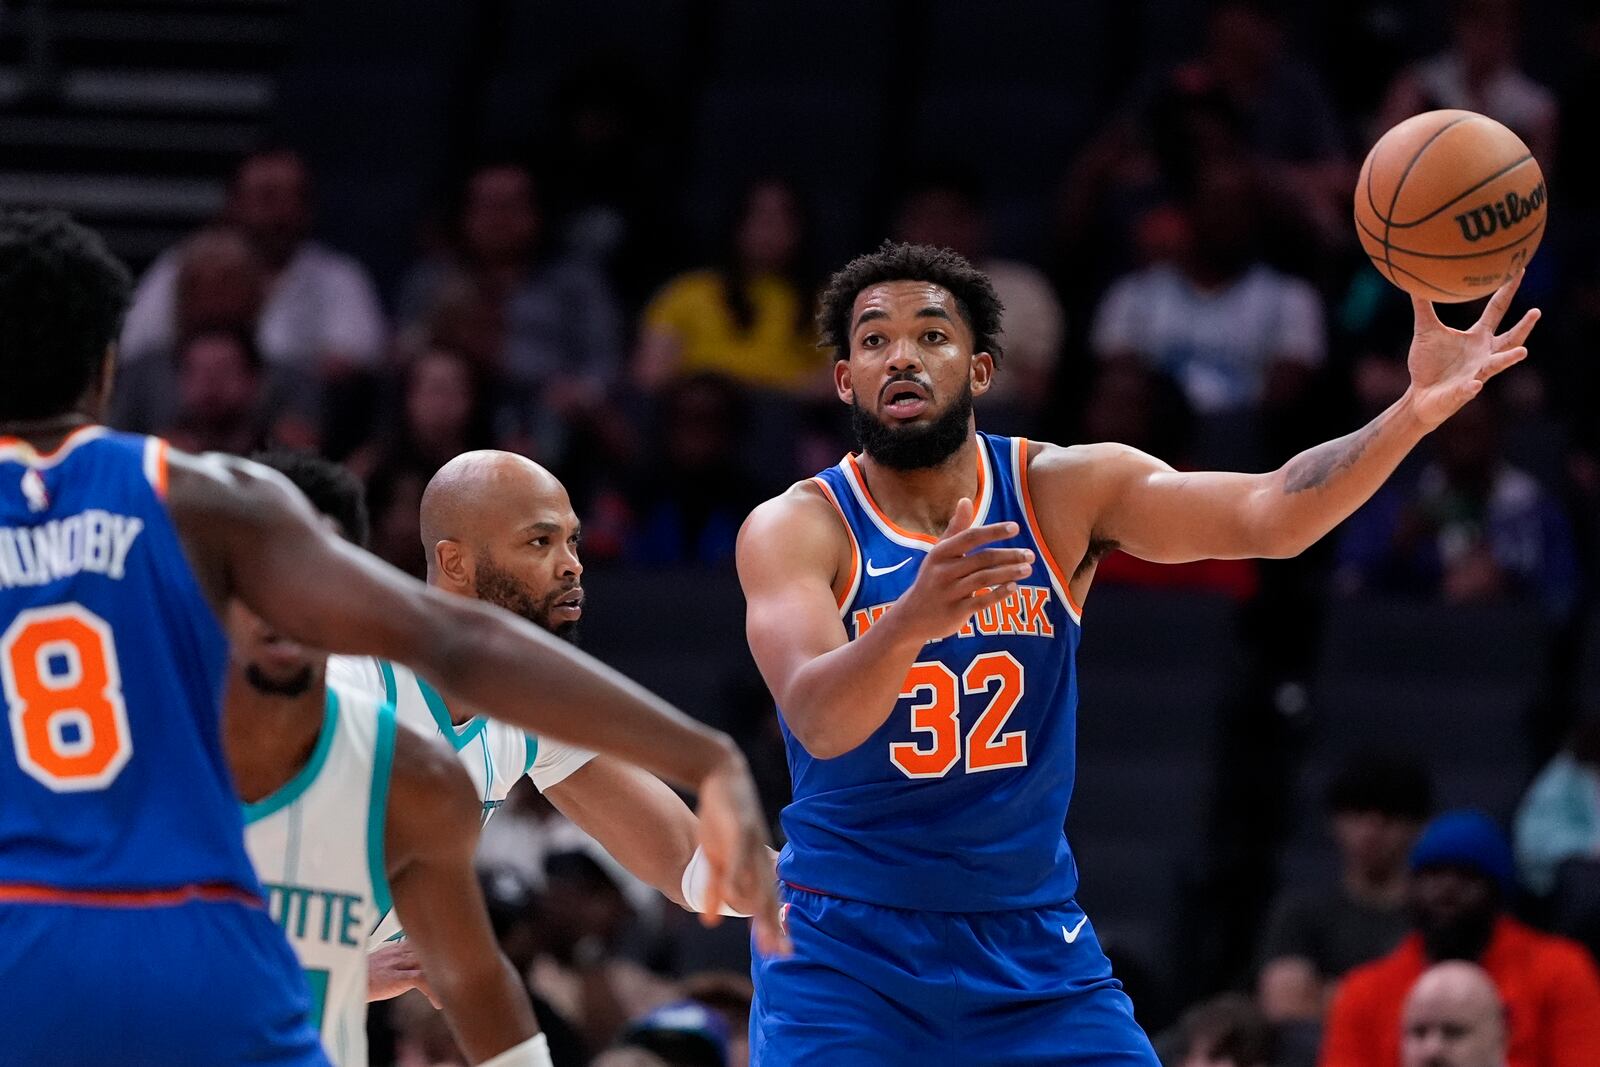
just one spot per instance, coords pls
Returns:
(634, 816)
(1148, 509)
(835, 692)
(430, 837)
(262, 543)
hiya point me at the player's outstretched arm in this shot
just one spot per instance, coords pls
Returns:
(1146, 508)
(643, 824)
(250, 534)
(835, 692)
(430, 836)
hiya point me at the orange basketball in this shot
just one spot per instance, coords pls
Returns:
(1449, 204)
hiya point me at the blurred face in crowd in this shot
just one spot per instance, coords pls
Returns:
(216, 382)
(1469, 445)
(911, 375)
(769, 230)
(271, 200)
(699, 425)
(221, 283)
(1453, 1018)
(1486, 35)
(501, 221)
(439, 400)
(943, 218)
(1223, 214)
(1454, 909)
(1373, 844)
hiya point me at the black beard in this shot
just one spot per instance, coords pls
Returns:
(913, 448)
(1467, 938)
(498, 587)
(292, 687)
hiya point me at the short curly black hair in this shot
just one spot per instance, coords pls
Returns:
(974, 294)
(332, 489)
(62, 298)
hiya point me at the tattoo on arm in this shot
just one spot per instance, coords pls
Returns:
(1314, 468)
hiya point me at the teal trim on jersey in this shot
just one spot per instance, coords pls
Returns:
(378, 809)
(391, 690)
(533, 752)
(290, 791)
(459, 737)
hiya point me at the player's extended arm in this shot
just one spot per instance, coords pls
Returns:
(262, 543)
(429, 839)
(635, 816)
(835, 692)
(643, 824)
(1146, 508)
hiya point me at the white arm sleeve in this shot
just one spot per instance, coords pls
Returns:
(534, 1052)
(555, 762)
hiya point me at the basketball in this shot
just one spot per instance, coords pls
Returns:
(1449, 205)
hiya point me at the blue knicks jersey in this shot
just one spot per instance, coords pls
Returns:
(957, 802)
(111, 659)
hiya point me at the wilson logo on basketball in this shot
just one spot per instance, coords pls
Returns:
(1489, 218)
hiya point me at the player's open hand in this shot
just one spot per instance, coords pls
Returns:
(960, 577)
(734, 840)
(393, 969)
(1448, 367)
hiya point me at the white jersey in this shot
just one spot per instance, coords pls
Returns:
(496, 755)
(317, 845)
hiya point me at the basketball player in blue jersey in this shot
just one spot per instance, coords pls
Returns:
(131, 924)
(345, 811)
(915, 611)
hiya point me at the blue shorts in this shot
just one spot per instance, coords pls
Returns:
(198, 984)
(869, 985)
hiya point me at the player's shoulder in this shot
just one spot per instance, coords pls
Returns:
(215, 487)
(797, 524)
(1087, 470)
(361, 674)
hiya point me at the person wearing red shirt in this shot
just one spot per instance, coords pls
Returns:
(1462, 870)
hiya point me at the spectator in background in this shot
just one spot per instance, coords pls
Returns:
(554, 321)
(692, 494)
(1225, 1031)
(748, 317)
(1479, 72)
(1462, 873)
(1558, 835)
(1314, 935)
(1559, 819)
(1469, 527)
(1454, 1018)
(683, 1034)
(947, 212)
(730, 996)
(219, 396)
(1236, 334)
(444, 411)
(628, 1056)
(320, 313)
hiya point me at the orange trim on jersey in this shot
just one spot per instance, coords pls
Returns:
(23, 893)
(866, 494)
(1038, 531)
(67, 443)
(160, 482)
(855, 550)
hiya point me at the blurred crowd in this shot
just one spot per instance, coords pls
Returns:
(1203, 298)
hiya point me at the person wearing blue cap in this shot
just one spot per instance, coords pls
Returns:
(1462, 874)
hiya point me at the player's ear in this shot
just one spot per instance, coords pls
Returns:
(453, 564)
(842, 382)
(982, 372)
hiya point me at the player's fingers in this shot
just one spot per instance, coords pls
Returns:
(976, 537)
(990, 595)
(1423, 314)
(1518, 334)
(961, 518)
(989, 558)
(975, 584)
(1499, 303)
(1499, 362)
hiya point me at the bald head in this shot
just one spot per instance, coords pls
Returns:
(1454, 1018)
(499, 527)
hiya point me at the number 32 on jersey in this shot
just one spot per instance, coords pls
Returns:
(63, 692)
(936, 694)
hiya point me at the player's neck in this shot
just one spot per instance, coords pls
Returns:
(923, 500)
(269, 739)
(45, 434)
